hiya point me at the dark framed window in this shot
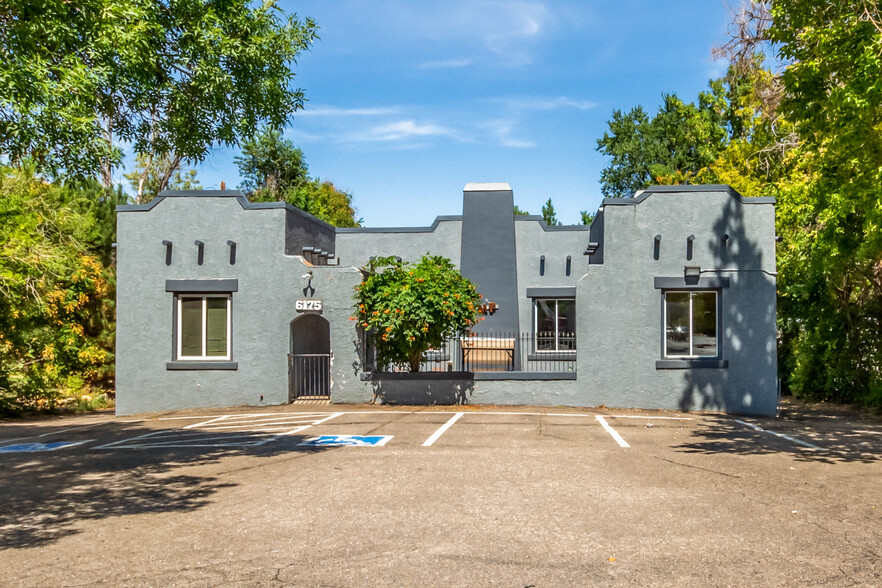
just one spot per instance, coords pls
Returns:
(554, 326)
(203, 327)
(691, 324)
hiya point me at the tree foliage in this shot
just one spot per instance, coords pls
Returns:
(169, 77)
(810, 135)
(549, 215)
(275, 170)
(833, 97)
(271, 163)
(412, 308)
(680, 139)
(56, 306)
(151, 176)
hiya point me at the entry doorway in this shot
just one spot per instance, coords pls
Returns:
(309, 358)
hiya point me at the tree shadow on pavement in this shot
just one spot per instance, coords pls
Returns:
(45, 495)
(841, 438)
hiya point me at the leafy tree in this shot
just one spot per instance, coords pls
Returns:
(817, 147)
(170, 77)
(55, 306)
(274, 170)
(414, 307)
(519, 212)
(151, 176)
(833, 97)
(271, 163)
(322, 200)
(548, 214)
(680, 139)
(587, 217)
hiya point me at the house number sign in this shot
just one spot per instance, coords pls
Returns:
(308, 305)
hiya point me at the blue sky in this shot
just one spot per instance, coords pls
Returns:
(411, 100)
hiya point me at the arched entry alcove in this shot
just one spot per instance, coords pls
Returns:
(309, 358)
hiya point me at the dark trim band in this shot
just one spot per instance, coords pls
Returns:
(551, 292)
(644, 194)
(691, 283)
(525, 376)
(690, 364)
(229, 285)
(201, 365)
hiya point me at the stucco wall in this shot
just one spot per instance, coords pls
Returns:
(619, 308)
(623, 311)
(269, 282)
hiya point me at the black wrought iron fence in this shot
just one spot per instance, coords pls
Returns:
(497, 352)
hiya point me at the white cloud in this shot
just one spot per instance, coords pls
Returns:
(446, 64)
(503, 129)
(547, 103)
(340, 112)
(406, 129)
(497, 31)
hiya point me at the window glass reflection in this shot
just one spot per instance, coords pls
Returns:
(545, 321)
(691, 324)
(555, 325)
(191, 327)
(704, 324)
(216, 327)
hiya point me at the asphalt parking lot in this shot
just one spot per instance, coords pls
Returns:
(402, 496)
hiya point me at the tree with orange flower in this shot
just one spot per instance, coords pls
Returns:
(412, 308)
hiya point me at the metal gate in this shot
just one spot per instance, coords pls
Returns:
(309, 375)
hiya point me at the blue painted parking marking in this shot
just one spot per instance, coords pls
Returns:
(347, 441)
(33, 447)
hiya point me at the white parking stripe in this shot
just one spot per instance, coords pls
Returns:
(634, 416)
(7, 441)
(226, 431)
(326, 419)
(782, 435)
(611, 431)
(245, 422)
(208, 416)
(442, 429)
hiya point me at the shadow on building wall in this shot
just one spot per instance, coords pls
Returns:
(744, 328)
(423, 388)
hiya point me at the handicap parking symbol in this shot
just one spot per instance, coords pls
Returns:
(347, 441)
(32, 447)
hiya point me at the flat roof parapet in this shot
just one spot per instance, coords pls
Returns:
(486, 187)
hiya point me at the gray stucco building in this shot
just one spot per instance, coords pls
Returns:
(667, 300)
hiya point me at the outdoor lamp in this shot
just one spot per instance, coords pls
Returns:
(692, 271)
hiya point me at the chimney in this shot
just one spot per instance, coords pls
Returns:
(223, 185)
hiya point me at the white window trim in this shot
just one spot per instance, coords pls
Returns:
(557, 350)
(665, 293)
(180, 321)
